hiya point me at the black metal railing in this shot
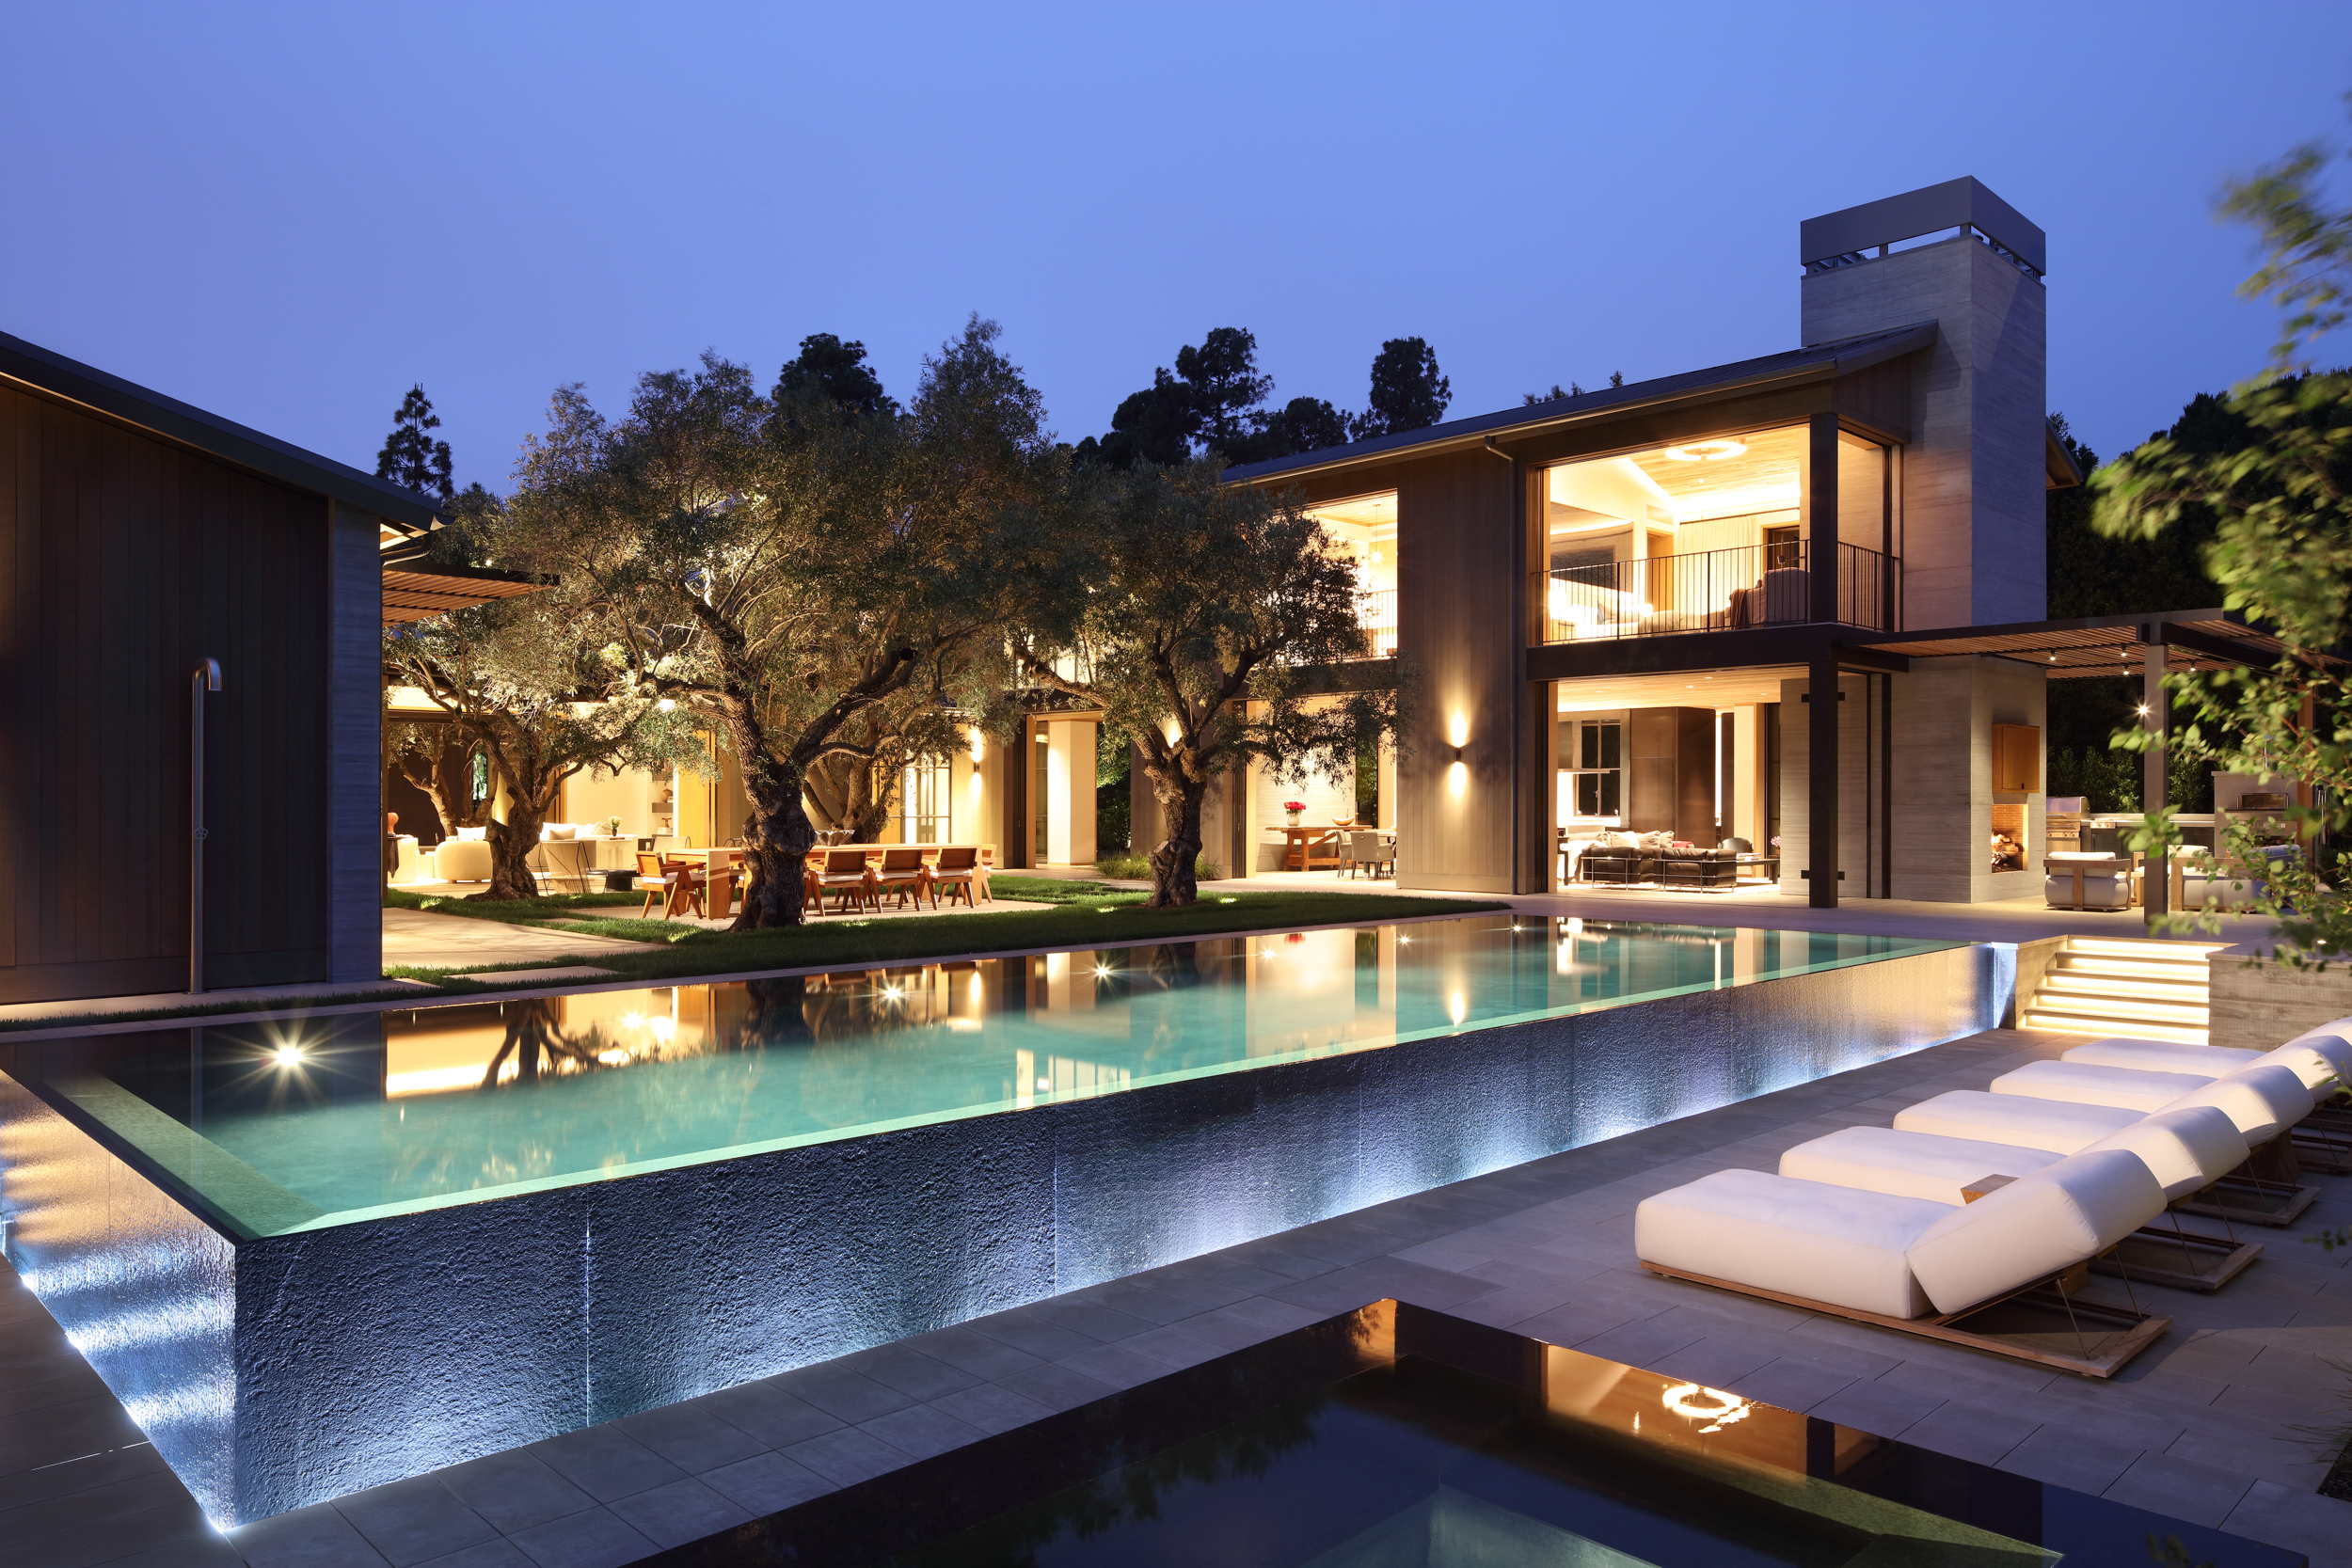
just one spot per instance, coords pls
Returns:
(1750, 585)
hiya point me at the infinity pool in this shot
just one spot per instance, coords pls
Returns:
(289, 1128)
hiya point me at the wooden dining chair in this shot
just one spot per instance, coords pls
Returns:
(958, 869)
(901, 872)
(685, 879)
(845, 875)
(651, 877)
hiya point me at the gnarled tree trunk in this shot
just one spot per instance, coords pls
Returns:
(1175, 861)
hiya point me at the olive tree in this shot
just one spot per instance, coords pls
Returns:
(519, 680)
(1212, 618)
(781, 570)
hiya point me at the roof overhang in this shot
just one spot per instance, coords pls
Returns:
(70, 380)
(1823, 362)
(420, 590)
(2059, 464)
(2105, 646)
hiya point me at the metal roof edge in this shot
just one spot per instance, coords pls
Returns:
(54, 373)
(1813, 361)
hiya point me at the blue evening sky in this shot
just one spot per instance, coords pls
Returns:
(288, 214)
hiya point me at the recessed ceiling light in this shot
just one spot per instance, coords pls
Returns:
(1705, 452)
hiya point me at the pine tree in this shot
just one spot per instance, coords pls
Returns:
(1408, 392)
(413, 459)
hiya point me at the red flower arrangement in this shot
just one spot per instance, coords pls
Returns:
(1294, 805)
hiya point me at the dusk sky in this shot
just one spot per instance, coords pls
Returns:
(287, 214)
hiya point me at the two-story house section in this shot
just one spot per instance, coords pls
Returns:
(1621, 606)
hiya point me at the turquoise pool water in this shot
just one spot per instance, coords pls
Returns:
(293, 1127)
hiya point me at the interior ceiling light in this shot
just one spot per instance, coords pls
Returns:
(1706, 452)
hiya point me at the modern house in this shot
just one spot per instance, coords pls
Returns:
(1621, 606)
(142, 538)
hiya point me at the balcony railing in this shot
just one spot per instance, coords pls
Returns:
(1751, 585)
(1376, 611)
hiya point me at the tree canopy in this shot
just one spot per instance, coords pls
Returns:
(2269, 470)
(411, 458)
(1407, 392)
(828, 369)
(1209, 608)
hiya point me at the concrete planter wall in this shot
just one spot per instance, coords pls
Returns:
(282, 1371)
(2255, 1006)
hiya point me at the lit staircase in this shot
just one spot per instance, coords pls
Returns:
(2153, 991)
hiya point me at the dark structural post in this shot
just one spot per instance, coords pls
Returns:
(206, 678)
(2155, 881)
(1820, 777)
(1821, 507)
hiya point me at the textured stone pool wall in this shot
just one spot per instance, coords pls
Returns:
(369, 1352)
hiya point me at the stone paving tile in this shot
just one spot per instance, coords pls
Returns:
(681, 1511)
(2295, 1518)
(415, 1520)
(977, 1353)
(1970, 1430)
(2071, 1457)
(1055, 1387)
(594, 1539)
(848, 1456)
(923, 1430)
(841, 1392)
(769, 1482)
(2181, 1488)
(911, 1373)
(1792, 1383)
(991, 1409)
(312, 1537)
(1639, 1344)
(1887, 1409)
(501, 1553)
(605, 1462)
(514, 1491)
(690, 1435)
(768, 1412)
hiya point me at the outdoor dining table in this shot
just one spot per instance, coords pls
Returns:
(1305, 848)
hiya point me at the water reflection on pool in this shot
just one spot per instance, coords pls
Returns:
(289, 1127)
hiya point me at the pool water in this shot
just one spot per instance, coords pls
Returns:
(290, 1127)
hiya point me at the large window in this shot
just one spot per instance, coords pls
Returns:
(1591, 768)
(925, 799)
(1364, 530)
(1708, 535)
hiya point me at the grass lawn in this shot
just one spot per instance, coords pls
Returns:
(1082, 913)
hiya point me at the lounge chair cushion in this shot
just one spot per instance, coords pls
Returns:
(1822, 1242)
(2063, 1127)
(2315, 1060)
(2036, 1226)
(1909, 1164)
(2133, 1088)
(2186, 1149)
(2263, 1099)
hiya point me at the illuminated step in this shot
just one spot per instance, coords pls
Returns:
(2179, 952)
(2065, 1024)
(2112, 1007)
(2101, 985)
(2075, 963)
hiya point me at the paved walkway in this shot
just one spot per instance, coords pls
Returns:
(424, 940)
(2201, 1426)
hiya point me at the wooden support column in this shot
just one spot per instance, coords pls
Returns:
(2155, 880)
(1819, 496)
(1820, 779)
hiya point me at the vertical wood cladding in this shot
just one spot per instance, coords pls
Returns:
(1670, 772)
(126, 560)
(1458, 574)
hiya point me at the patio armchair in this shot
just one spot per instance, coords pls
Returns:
(2076, 880)
(844, 874)
(1367, 850)
(902, 872)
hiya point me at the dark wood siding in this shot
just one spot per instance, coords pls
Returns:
(125, 560)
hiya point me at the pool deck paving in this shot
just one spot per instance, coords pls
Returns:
(2205, 1425)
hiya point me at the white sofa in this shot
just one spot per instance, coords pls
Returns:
(1890, 1256)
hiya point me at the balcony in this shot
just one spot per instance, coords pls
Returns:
(1376, 611)
(1752, 585)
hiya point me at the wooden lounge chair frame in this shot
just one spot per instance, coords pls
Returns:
(2181, 1259)
(2133, 1332)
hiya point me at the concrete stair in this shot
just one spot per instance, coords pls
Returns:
(2146, 989)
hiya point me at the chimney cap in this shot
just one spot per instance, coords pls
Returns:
(1966, 200)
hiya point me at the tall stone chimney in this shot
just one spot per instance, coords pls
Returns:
(1974, 471)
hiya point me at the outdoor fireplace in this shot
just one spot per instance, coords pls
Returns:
(2007, 847)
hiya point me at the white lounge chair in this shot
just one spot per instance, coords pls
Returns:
(1998, 1275)
(2070, 1126)
(2316, 1060)
(2186, 1150)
